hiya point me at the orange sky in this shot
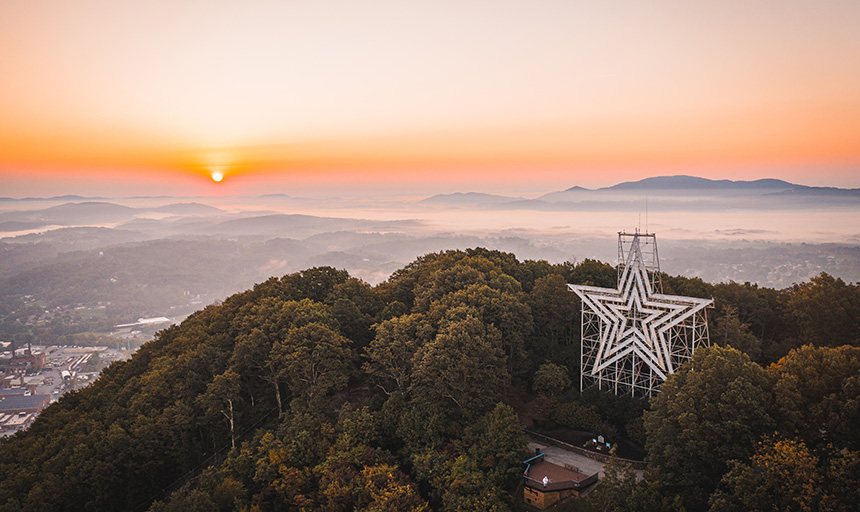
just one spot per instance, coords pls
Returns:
(101, 98)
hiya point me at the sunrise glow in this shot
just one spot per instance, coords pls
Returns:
(563, 94)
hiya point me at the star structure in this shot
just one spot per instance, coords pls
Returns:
(634, 321)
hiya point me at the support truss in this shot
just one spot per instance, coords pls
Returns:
(634, 336)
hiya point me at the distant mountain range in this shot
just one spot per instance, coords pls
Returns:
(74, 198)
(298, 226)
(93, 212)
(665, 192)
(683, 182)
(468, 198)
(692, 184)
(661, 193)
(78, 198)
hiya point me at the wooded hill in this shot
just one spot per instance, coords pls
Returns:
(316, 391)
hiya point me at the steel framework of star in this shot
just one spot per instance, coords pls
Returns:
(635, 319)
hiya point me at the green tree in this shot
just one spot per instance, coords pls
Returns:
(445, 281)
(498, 444)
(784, 474)
(359, 293)
(591, 272)
(826, 311)
(579, 416)
(222, 397)
(817, 396)
(757, 307)
(314, 283)
(458, 484)
(391, 353)
(551, 379)
(842, 481)
(711, 411)
(196, 500)
(687, 286)
(316, 360)
(393, 309)
(252, 359)
(469, 489)
(384, 488)
(728, 331)
(553, 306)
(354, 324)
(617, 489)
(463, 367)
(228, 494)
(500, 309)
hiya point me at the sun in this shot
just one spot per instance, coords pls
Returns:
(217, 176)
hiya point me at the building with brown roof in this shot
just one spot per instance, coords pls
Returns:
(545, 483)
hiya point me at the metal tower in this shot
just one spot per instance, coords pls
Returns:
(634, 336)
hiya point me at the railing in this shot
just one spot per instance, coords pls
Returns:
(560, 485)
(528, 463)
(637, 464)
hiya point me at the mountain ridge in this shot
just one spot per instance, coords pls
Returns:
(690, 186)
(683, 181)
(467, 198)
(674, 185)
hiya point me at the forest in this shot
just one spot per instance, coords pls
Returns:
(317, 391)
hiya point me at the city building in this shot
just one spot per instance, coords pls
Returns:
(17, 411)
(19, 362)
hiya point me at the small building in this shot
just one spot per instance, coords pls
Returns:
(23, 403)
(32, 383)
(22, 361)
(18, 411)
(12, 382)
(12, 423)
(144, 323)
(545, 483)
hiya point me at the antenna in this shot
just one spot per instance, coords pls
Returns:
(646, 214)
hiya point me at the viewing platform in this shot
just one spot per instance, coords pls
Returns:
(546, 483)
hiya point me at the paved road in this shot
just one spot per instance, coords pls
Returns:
(561, 456)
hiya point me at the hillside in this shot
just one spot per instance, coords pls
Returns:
(316, 391)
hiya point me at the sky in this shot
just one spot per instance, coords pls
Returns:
(103, 97)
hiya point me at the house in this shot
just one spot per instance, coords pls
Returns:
(545, 483)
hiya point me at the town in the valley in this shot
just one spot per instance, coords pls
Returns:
(33, 376)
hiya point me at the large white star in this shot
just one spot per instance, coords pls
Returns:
(634, 319)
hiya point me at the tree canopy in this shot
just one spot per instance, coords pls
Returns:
(316, 391)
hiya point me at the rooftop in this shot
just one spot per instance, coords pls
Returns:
(558, 477)
(22, 402)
